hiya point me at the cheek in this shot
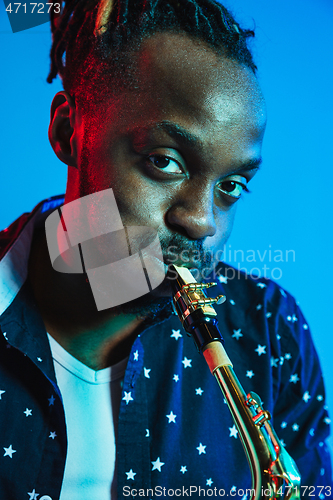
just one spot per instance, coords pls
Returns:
(139, 203)
(224, 222)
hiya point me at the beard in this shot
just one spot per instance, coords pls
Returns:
(157, 306)
(150, 308)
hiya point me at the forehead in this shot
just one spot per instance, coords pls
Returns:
(182, 80)
(178, 70)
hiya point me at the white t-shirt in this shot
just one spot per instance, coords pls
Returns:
(91, 401)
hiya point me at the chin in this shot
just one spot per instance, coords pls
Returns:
(154, 306)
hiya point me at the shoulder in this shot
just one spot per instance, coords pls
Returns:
(247, 283)
(9, 235)
(268, 313)
(250, 293)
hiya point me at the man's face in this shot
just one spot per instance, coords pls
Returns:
(179, 150)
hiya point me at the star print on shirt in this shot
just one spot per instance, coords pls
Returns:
(295, 427)
(28, 412)
(274, 362)
(201, 448)
(232, 302)
(157, 464)
(39, 359)
(187, 362)
(261, 349)
(130, 474)
(136, 355)
(33, 495)
(176, 378)
(199, 391)
(176, 334)
(233, 431)
(320, 397)
(327, 420)
(294, 378)
(1, 392)
(146, 372)
(261, 285)
(127, 397)
(9, 451)
(287, 355)
(209, 482)
(53, 435)
(306, 396)
(171, 417)
(259, 306)
(312, 432)
(223, 279)
(283, 425)
(268, 315)
(249, 373)
(51, 400)
(237, 334)
(183, 469)
(147, 433)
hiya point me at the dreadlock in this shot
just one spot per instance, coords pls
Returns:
(93, 38)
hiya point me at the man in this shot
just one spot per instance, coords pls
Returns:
(161, 105)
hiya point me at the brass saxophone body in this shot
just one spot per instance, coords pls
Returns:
(274, 472)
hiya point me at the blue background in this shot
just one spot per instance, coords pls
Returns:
(290, 206)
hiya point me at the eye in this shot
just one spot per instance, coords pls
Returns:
(233, 186)
(165, 164)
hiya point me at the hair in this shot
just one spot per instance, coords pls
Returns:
(93, 39)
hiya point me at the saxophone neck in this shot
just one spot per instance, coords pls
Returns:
(274, 473)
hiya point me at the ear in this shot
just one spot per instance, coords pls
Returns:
(62, 128)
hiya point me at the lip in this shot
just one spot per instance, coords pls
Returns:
(154, 258)
(189, 263)
(198, 266)
(179, 264)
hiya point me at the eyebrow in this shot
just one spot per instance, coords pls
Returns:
(252, 164)
(180, 134)
(185, 138)
(176, 132)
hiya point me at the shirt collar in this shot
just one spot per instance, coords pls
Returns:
(14, 265)
(20, 321)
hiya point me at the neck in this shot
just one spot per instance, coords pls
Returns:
(96, 338)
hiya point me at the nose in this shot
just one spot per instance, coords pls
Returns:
(192, 212)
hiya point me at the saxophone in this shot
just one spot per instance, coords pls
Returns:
(274, 472)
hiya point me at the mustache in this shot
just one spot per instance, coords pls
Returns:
(191, 254)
